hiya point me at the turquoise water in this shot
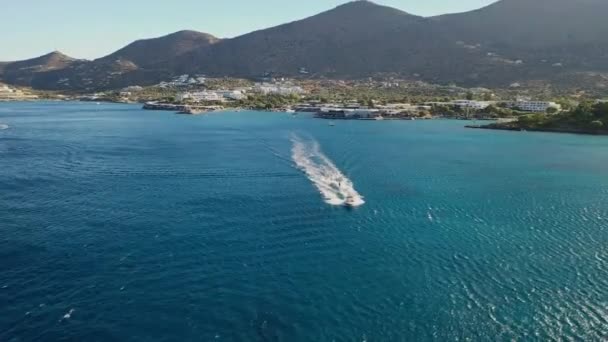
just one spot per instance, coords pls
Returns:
(125, 225)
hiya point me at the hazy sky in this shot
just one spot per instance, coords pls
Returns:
(93, 28)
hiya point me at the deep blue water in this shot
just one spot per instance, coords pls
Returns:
(149, 226)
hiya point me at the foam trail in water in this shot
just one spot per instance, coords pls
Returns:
(3, 126)
(327, 178)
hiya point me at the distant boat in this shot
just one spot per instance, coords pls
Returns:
(331, 123)
(379, 118)
(290, 111)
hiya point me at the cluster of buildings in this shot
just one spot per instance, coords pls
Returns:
(284, 89)
(274, 88)
(9, 94)
(211, 96)
(183, 80)
(355, 111)
(523, 105)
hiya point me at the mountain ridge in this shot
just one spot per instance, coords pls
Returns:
(504, 42)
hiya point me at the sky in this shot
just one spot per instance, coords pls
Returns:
(91, 28)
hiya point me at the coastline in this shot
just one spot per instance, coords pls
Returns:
(540, 129)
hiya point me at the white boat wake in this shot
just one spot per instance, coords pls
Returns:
(335, 187)
(3, 126)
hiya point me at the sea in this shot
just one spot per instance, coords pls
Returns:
(119, 224)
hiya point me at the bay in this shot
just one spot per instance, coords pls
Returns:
(119, 224)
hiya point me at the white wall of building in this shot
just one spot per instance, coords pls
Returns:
(279, 89)
(211, 96)
(471, 104)
(534, 106)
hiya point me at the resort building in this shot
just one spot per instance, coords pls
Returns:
(534, 106)
(472, 104)
(404, 107)
(201, 96)
(211, 96)
(232, 94)
(278, 89)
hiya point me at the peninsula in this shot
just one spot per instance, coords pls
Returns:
(586, 118)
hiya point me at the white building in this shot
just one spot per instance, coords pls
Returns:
(232, 94)
(404, 107)
(201, 96)
(279, 89)
(534, 106)
(471, 104)
(211, 96)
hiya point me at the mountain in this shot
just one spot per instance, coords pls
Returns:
(531, 24)
(149, 52)
(22, 72)
(521, 40)
(505, 42)
(141, 62)
(340, 41)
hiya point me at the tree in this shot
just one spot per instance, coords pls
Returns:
(600, 110)
(469, 96)
(551, 110)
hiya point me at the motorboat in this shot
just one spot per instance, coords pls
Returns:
(350, 201)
